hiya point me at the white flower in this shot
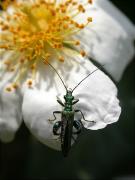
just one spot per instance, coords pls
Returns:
(31, 32)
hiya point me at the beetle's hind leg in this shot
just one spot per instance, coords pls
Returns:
(56, 128)
(55, 112)
(57, 138)
(78, 126)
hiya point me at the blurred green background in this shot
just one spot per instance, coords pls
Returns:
(104, 154)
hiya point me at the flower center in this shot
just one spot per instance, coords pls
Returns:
(39, 30)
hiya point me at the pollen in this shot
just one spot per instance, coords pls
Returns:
(61, 58)
(89, 19)
(8, 89)
(77, 43)
(81, 8)
(83, 53)
(90, 1)
(29, 83)
(37, 30)
(15, 86)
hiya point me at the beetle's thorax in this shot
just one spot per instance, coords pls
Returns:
(68, 101)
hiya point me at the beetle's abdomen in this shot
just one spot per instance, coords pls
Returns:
(66, 131)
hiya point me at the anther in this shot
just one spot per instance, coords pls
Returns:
(90, 1)
(4, 46)
(81, 8)
(65, 26)
(63, 10)
(66, 18)
(89, 19)
(77, 43)
(61, 59)
(53, 12)
(22, 60)
(5, 27)
(8, 89)
(12, 69)
(83, 53)
(74, 3)
(29, 83)
(33, 66)
(15, 85)
(81, 26)
(7, 63)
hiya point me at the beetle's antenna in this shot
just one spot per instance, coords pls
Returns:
(86, 77)
(56, 73)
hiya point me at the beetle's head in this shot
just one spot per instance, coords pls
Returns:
(68, 96)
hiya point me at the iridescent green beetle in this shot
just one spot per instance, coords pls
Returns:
(67, 117)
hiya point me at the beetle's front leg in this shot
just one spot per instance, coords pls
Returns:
(55, 112)
(60, 102)
(75, 101)
(77, 110)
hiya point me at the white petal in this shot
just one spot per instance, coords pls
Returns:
(109, 39)
(10, 114)
(38, 107)
(97, 99)
(10, 109)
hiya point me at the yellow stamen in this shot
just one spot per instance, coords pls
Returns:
(36, 29)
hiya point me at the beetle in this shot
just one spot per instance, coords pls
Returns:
(67, 122)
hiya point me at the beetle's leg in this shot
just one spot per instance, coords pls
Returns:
(75, 101)
(78, 125)
(56, 127)
(55, 112)
(57, 138)
(77, 110)
(60, 102)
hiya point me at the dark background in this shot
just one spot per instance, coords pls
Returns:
(104, 154)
